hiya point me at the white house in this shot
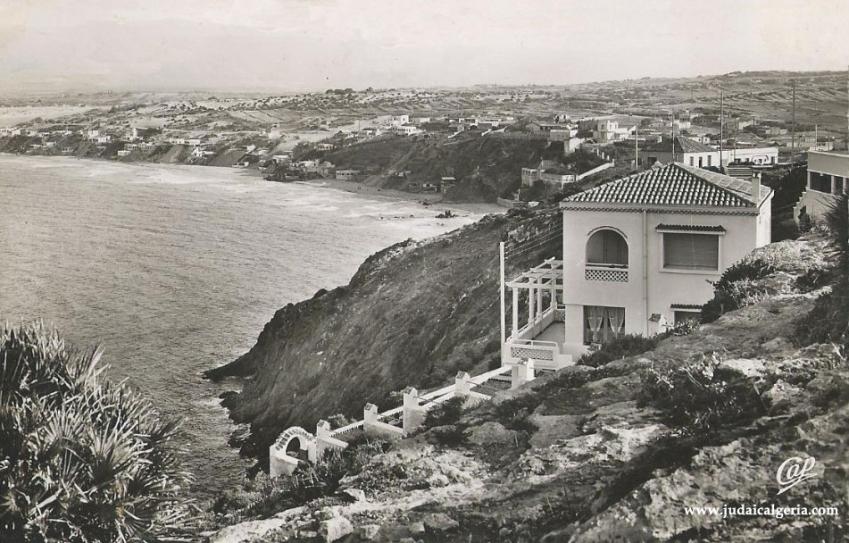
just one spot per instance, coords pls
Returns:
(639, 254)
(828, 171)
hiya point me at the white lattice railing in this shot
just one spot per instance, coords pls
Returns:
(604, 273)
(538, 350)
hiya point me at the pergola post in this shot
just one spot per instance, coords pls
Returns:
(531, 305)
(539, 302)
(515, 311)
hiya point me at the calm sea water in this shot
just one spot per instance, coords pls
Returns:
(175, 269)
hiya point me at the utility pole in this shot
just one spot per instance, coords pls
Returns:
(637, 148)
(721, 127)
(673, 136)
(793, 137)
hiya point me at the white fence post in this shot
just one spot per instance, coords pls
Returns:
(414, 414)
(522, 372)
(462, 387)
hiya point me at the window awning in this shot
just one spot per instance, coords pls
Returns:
(698, 228)
(686, 307)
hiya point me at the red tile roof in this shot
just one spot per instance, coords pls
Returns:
(674, 185)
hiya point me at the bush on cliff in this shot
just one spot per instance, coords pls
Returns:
(829, 320)
(81, 460)
(702, 396)
(734, 288)
(631, 345)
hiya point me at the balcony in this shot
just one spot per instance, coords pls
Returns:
(606, 272)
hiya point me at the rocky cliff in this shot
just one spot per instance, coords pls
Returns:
(413, 314)
(619, 451)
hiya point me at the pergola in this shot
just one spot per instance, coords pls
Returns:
(547, 276)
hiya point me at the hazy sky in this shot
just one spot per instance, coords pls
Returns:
(303, 44)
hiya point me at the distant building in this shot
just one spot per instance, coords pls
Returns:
(398, 120)
(407, 130)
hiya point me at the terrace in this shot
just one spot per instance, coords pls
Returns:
(538, 293)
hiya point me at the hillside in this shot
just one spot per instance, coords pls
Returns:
(617, 452)
(485, 167)
(428, 309)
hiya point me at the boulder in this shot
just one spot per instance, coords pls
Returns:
(491, 433)
(335, 528)
(440, 522)
(353, 494)
(368, 532)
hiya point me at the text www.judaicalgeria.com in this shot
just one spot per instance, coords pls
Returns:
(772, 510)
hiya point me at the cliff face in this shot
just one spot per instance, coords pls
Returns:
(618, 452)
(413, 314)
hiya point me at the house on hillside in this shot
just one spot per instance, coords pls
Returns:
(687, 151)
(639, 255)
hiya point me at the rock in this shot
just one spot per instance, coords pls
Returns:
(749, 368)
(438, 480)
(354, 494)
(777, 345)
(368, 531)
(417, 528)
(491, 433)
(781, 395)
(335, 528)
(440, 522)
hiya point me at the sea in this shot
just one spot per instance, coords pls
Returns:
(173, 270)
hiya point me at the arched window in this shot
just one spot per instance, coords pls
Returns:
(607, 248)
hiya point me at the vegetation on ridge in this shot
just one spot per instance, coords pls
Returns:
(81, 460)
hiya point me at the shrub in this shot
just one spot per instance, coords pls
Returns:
(632, 345)
(829, 320)
(81, 459)
(448, 412)
(701, 397)
(263, 496)
(621, 347)
(735, 287)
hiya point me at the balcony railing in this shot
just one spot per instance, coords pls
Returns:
(606, 272)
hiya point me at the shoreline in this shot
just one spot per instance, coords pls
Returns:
(430, 201)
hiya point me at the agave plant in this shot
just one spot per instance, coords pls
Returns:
(81, 459)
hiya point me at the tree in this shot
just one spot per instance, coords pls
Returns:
(81, 460)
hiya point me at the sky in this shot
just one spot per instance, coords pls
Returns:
(295, 45)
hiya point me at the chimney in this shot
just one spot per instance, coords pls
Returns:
(756, 188)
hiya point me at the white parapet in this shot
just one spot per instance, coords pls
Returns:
(522, 372)
(375, 427)
(280, 463)
(325, 442)
(414, 414)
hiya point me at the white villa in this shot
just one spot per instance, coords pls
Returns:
(638, 257)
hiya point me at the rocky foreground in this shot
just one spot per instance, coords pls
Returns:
(617, 452)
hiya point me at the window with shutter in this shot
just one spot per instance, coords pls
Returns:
(691, 252)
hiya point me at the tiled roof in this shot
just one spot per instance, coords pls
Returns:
(682, 145)
(689, 228)
(674, 185)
